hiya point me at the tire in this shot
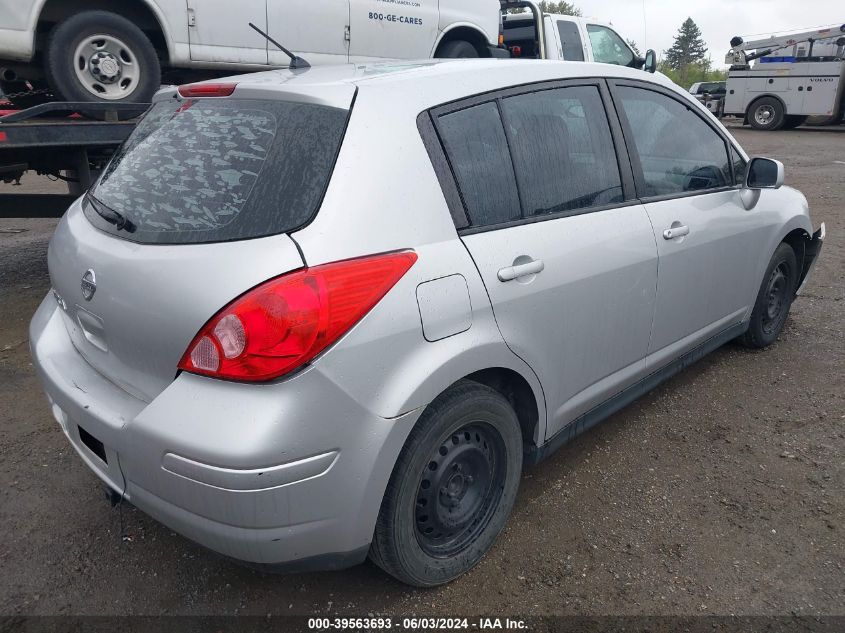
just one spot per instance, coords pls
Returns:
(456, 49)
(25, 94)
(766, 114)
(471, 434)
(100, 56)
(773, 299)
(793, 121)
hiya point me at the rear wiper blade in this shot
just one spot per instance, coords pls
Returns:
(120, 221)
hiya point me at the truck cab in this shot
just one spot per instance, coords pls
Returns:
(562, 37)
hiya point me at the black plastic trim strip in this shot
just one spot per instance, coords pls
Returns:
(625, 397)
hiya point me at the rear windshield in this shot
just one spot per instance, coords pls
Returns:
(212, 170)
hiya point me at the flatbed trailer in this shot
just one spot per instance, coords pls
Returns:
(44, 139)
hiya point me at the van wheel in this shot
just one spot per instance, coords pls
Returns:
(773, 299)
(456, 49)
(766, 114)
(100, 56)
(452, 488)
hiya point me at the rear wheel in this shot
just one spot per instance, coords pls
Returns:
(452, 488)
(456, 49)
(773, 299)
(100, 56)
(766, 114)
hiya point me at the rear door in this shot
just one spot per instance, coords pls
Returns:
(220, 32)
(392, 30)
(208, 190)
(566, 254)
(316, 29)
(708, 243)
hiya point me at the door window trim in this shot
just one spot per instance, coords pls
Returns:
(427, 125)
(633, 154)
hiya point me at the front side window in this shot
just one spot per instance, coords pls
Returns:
(570, 41)
(740, 167)
(562, 150)
(608, 47)
(475, 143)
(678, 151)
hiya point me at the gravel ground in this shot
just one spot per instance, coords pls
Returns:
(719, 493)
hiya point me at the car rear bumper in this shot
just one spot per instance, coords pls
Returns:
(289, 474)
(811, 256)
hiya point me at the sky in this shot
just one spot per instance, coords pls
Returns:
(719, 20)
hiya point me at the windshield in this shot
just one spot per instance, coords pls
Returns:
(210, 170)
(608, 47)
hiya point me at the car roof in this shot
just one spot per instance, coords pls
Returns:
(422, 83)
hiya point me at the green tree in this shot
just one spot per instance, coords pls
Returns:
(563, 8)
(688, 50)
(634, 47)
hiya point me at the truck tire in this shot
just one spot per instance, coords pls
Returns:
(793, 121)
(456, 49)
(25, 94)
(100, 56)
(766, 114)
(452, 487)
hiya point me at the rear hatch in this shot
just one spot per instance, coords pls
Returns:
(192, 211)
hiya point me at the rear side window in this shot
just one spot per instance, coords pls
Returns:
(562, 149)
(212, 170)
(475, 143)
(570, 41)
(678, 151)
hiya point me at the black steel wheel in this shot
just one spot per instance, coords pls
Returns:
(774, 299)
(459, 489)
(452, 488)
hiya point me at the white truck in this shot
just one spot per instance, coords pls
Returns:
(122, 50)
(794, 76)
(565, 37)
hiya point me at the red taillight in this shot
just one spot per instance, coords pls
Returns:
(206, 90)
(287, 321)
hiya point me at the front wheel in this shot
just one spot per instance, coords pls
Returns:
(456, 49)
(452, 488)
(101, 56)
(766, 114)
(773, 299)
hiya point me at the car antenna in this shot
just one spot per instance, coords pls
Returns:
(296, 62)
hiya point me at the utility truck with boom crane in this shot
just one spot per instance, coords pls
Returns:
(795, 76)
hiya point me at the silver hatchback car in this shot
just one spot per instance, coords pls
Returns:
(307, 316)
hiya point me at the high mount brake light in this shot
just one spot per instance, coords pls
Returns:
(206, 90)
(285, 322)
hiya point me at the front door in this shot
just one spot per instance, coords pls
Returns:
(708, 243)
(220, 32)
(567, 257)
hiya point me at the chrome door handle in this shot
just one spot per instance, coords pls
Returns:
(675, 231)
(522, 270)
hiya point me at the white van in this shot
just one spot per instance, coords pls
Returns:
(77, 51)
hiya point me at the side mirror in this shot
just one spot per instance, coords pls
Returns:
(650, 64)
(762, 173)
